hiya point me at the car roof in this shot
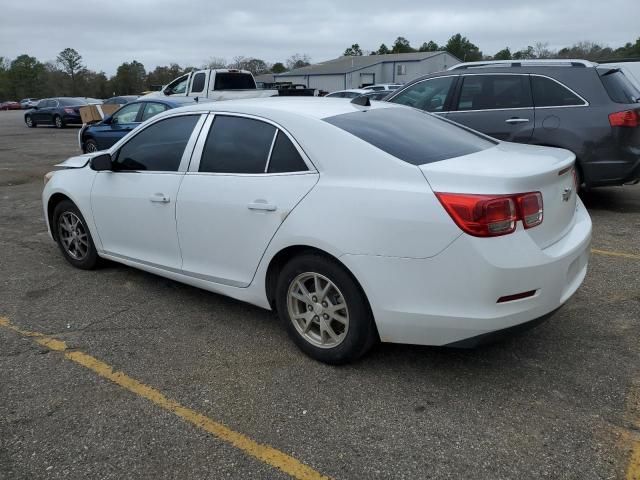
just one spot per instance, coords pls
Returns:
(310, 107)
(356, 90)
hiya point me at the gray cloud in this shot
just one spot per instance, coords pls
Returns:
(190, 32)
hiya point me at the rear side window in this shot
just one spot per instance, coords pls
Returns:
(549, 93)
(159, 147)
(411, 135)
(198, 83)
(234, 81)
(237, 145)
(618, 86)
(490, 92)
(429, 95)
(285, 157)
(151, 109)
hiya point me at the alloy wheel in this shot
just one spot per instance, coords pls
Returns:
(73, 235)
(318, 310)
(58, 122)
(29, 121)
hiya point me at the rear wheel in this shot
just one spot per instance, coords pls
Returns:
(90, 146)
(29, 121)
(58, 122)
(73, 236)
(324, 310)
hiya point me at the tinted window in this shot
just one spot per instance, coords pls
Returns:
(429, 95)
(127, 114)
(43, 103)
(198, 83)
(486, 92)
(618, 86)
(549, 93)
(71, 102)
(158, 147)
(410, 135)
(234, 81)
(285, 156)
(151, 109)
(237, 145)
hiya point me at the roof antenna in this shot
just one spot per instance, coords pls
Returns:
(362, 101)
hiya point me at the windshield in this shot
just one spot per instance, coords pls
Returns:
(411, 135)
(234, 81)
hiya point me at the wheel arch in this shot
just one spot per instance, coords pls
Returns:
(52, 203)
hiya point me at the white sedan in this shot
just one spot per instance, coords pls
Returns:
(356, 223)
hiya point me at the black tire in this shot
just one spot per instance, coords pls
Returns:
(90, 259)
(361, 333)
(90, 146)
(58, 122)
(30, 122)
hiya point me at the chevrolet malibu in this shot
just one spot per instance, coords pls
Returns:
(355, 222)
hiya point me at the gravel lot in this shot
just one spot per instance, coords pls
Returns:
(560, 401)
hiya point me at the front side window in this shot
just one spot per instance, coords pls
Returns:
(237, 145)
(127, 114)
(158, 147)
(178, 86)
(490, 92)
(151, 109)
(198, 83)
(549, 93)
(285, 157)
(429, 95)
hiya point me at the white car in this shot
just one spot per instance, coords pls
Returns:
(351, 93)
(356, 223)
(383, 86)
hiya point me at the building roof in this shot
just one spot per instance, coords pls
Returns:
(348, 64)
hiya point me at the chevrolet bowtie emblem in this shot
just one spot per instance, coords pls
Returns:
(566, 194)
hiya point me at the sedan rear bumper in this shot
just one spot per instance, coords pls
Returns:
(454, 296)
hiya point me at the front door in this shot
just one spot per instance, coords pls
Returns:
(499, 105)
(122, 122)
(134, 206)
(247, 180)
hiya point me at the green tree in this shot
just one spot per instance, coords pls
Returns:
(402, 45)
(25, 77)
(163, 74)
(429, 46)
(504, 54)
(524, 54)
(4, 78)
(353, 51)
(383, 50)
(71, 63)
(129, 79)
(462, 48)
(278, 67)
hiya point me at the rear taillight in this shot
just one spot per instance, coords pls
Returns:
(69, 110)
(492, 215)
(628, 118)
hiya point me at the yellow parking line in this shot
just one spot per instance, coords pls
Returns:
(633, 416)
(262, 452)
(615, 254)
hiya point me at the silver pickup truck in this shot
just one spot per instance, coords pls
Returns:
(222, 84)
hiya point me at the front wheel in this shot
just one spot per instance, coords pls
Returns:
(29, 121)
(73, 236)
(58, 122)
(90, 146)
(324, 310)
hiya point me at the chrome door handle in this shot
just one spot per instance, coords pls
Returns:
(516, 120)
(262, 205)
(159, 198)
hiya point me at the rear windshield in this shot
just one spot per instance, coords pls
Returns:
(411, 135)
(71, 102)
(618, 86)
(234, 81)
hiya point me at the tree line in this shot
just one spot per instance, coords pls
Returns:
(27, 77)
(465, 50)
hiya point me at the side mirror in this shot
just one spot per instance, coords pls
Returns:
(35, 107)
(102, 163)
(108, 120)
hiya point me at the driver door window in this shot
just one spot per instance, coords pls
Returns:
(429, 95)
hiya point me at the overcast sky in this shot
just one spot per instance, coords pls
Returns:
(189, 32)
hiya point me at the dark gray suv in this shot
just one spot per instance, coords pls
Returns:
(592, 110)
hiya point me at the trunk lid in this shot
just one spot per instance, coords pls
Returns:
(511, 168)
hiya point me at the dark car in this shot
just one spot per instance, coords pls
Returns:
(121, 100)
(59, 111)
(587, 108)
(102, 135)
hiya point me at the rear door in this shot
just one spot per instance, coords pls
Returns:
(499, 105)
(198, 84)
(245, 177)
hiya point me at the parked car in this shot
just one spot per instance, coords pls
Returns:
(59, 112)
(120, 100)
(354, 223)
(102, 135)
(383, 86)
(350, 93)
(10, 105)
(584, 107)
(27, 103)
(377, 94)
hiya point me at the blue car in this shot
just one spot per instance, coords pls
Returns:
(59, 112)
(104, 134)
